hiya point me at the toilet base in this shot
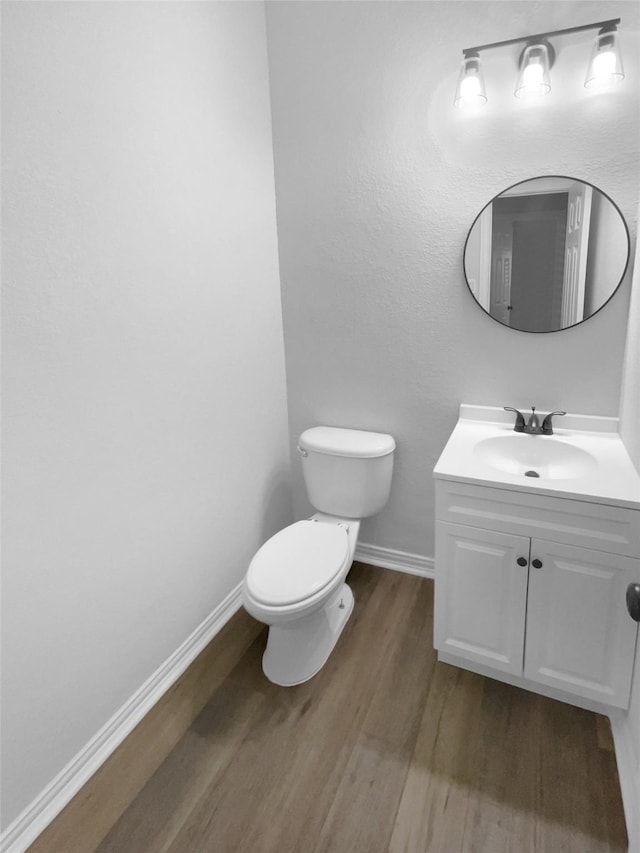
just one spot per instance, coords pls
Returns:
(297, 650)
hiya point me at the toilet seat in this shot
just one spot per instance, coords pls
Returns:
(297, 563)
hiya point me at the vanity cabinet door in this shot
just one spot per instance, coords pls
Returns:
(481, 595)
(579, 635)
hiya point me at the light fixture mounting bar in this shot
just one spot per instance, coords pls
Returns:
(612, 23)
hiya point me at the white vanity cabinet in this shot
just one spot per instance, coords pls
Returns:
(531, 589)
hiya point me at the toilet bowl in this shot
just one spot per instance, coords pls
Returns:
(306, 610)
(296, 581)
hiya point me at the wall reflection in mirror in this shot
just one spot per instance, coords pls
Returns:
(546, 254)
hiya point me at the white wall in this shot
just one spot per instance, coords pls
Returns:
(378, 179)
(145, 444)
(630, 431)
(630, 396)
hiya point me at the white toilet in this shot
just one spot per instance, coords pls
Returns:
(295, 583)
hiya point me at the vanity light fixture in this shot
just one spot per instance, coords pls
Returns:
(605, 65)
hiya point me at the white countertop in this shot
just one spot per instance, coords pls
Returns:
(613, 479)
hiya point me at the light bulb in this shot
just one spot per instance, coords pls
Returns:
(604, 63)
(470, 87)
(532, 78)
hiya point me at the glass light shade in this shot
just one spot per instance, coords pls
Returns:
(533, 78)
(605, 66)
(470, 91)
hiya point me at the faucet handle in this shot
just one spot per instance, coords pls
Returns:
(547, 426)
(519, 425)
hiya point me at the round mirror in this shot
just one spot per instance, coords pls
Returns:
(546, 254)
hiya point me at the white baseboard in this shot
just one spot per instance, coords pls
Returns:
(629, 777)
(400, 561)
(50, 802)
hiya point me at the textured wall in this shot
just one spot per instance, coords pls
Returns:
(630, 397)
(630, 430)
(378, 179)
(145, 441)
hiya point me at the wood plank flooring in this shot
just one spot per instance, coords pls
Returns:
(87, 818)
(384, 751)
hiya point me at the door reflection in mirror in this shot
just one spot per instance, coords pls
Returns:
(546, 254)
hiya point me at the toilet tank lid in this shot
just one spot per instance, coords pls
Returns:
(338, 441)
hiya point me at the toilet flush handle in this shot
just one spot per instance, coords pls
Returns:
(302, 451)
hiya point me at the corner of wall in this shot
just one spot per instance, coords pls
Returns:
(626, 729)
(630, 390)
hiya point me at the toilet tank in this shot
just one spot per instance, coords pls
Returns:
(347, 472)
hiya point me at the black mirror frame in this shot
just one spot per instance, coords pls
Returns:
(585, 319)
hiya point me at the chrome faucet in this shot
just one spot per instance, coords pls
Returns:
(533, 427)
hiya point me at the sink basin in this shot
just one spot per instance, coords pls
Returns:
(536, 456)
(585, 459)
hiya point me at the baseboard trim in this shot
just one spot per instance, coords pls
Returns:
(31, 822)
(399, 561)
(629, 778)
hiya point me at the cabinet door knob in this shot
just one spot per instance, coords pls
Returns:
(537, 564)
(522, 561)
(633, 601)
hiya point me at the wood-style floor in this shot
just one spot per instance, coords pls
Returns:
(384, 750)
